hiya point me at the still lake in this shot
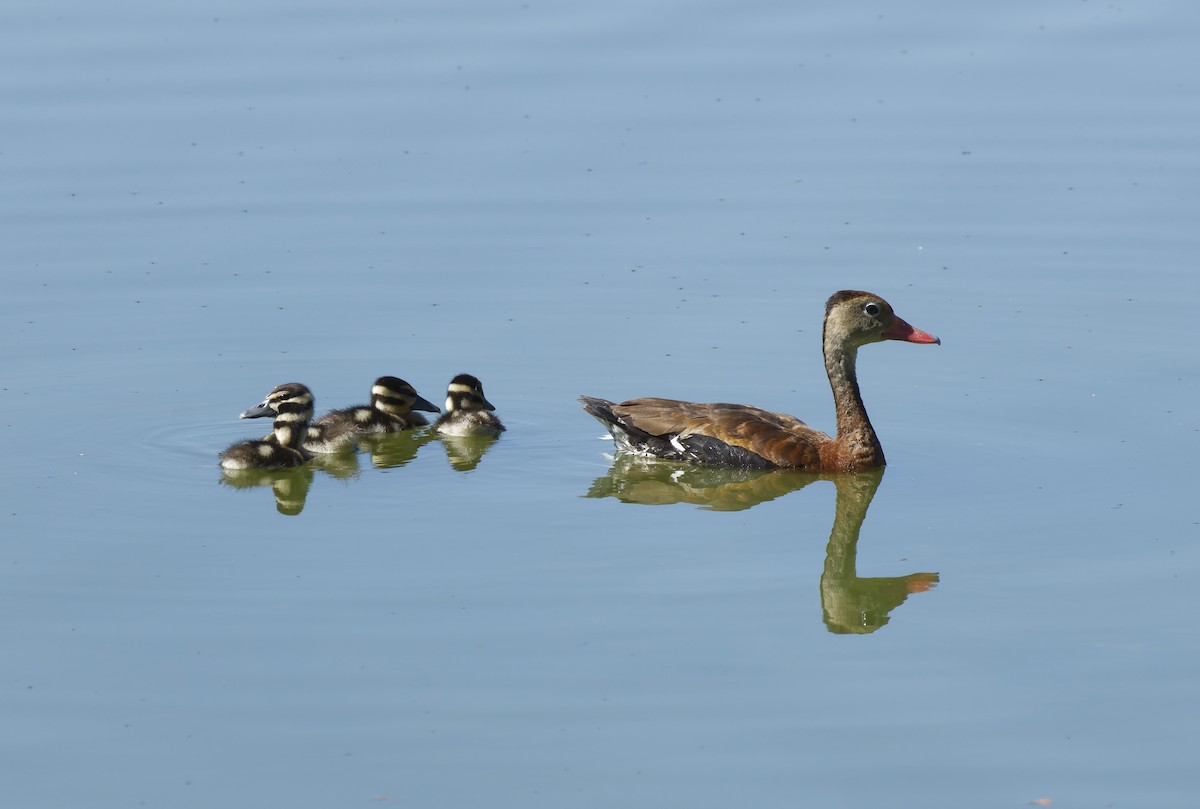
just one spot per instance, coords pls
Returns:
(203, 200)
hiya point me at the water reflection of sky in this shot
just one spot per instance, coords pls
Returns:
(621, 200)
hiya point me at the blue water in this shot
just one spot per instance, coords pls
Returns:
(201, 202)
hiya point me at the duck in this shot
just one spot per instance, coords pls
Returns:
(468, 412)
(291, 405)
(391, 410)
(738, 435)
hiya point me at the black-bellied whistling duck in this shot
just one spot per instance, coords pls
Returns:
(393, 402)
(292, 407)
(741, 435)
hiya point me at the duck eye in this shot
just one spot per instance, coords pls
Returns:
(871, 309)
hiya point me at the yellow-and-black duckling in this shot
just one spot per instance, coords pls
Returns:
(468, 412)
(292, 407)
(391, 410)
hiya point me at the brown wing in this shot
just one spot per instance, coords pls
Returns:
(781, 439)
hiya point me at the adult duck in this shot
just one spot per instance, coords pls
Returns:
(744, 436)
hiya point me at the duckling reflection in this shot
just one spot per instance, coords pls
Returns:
(850, 604)
(290, 486)
(393, 450)
(655, 482)
(464, 452)
(338, 465)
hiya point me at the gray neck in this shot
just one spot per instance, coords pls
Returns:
(852, 420)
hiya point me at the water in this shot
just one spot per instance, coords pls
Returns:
(203, 202)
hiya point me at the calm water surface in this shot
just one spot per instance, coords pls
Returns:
(203, 201)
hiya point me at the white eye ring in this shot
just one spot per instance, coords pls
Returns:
(872, 309)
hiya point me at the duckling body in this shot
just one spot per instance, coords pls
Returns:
(468, 412)
(291, 405)
(744, 436)
(391, 410)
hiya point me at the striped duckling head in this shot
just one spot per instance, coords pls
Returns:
(465, 392)
(291, 405)
(397, 398)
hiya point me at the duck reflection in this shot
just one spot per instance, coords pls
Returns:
(852, 605)
(654, 482)
(290, 486)
(849, 604)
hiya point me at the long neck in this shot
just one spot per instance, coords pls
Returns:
(852, 421)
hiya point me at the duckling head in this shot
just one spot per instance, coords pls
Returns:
(465, 392)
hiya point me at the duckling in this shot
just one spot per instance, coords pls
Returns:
(467, 410)
(292, 407)
(392, 401)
